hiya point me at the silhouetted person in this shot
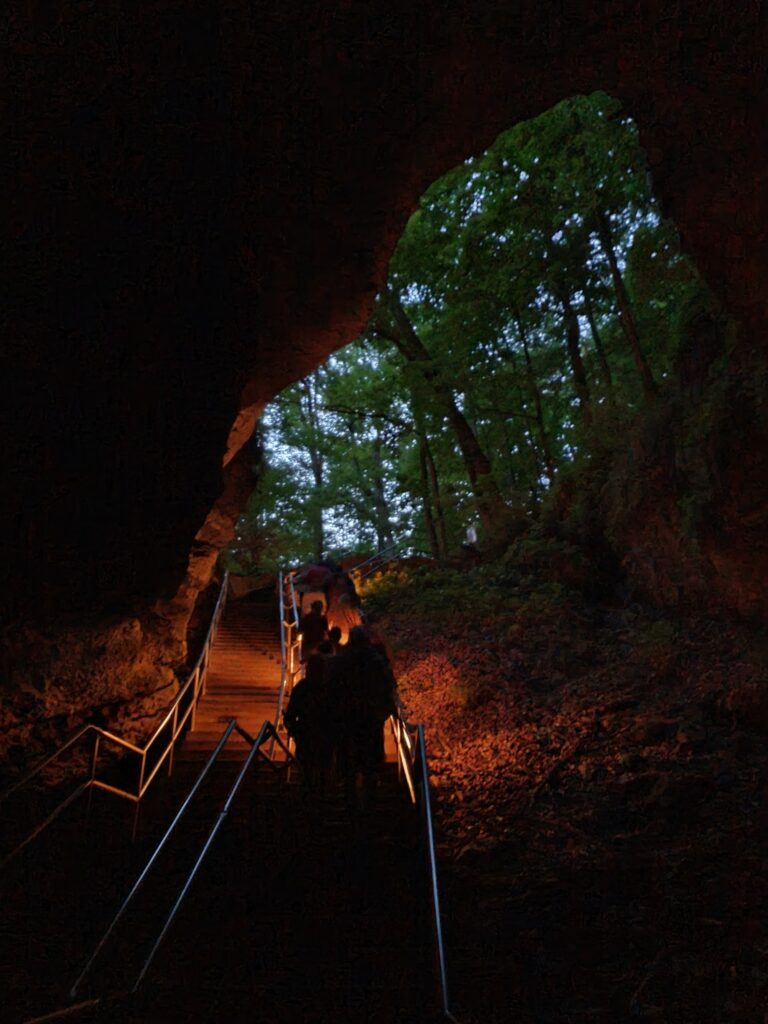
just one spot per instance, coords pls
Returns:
(307, 719)
(364, 697)
(313, 578)
(334, 639)
(343, 603)
(312, 629)
(376, 639)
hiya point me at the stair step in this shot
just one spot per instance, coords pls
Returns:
(242, 680)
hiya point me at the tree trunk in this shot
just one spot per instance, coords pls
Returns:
(572, 340)
(626, 317)
(429, 520)
(602, 358)
(490, 506)
(376, 512)
(442, 539)
(533, 384)
(383, 524)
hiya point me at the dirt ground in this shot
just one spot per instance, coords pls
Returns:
(601, 783)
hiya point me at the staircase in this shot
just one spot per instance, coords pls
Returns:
(243, 677)
(306, 910)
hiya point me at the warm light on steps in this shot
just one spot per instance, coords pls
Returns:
(242, 682)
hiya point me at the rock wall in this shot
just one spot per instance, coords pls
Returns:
(202, 200)
(684, 502)
(111, 674)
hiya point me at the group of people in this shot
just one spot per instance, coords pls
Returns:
(336, 713)
(342, 604)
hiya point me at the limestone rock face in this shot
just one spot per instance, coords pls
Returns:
(203, 200)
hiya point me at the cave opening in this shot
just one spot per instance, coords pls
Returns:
(593, 675)
(538, 308)
(528, 421)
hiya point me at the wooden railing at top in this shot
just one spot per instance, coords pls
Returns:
(181, 710)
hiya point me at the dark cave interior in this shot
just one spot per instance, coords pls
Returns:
(202, 202)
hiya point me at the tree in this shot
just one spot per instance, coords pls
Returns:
(535, 285)
(393, 323)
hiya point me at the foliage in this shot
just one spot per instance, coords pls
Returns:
(536, 303)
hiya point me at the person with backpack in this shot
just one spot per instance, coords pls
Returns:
(364, 698)
(308, 722)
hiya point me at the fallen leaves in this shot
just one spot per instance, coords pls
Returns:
(601, 787)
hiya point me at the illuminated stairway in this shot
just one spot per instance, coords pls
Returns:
(243, 678)
(305, 911)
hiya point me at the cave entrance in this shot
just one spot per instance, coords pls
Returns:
(536, 303)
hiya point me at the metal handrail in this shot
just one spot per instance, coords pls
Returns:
(379, 554)
(377, 566)
(195, 682)
(281, 612)
(147, 867)
(289, 646)
(412, 761)
(284, 643)
(112, 737)
(432, 855)
(275, 739)
(292, 592)
(381, 561)
(266, 730)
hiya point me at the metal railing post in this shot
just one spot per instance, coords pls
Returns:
(142, 773)
(396, 730)
(173, 739)
(95, 755)
(421, 753)
(195, 698)
(94, 765)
